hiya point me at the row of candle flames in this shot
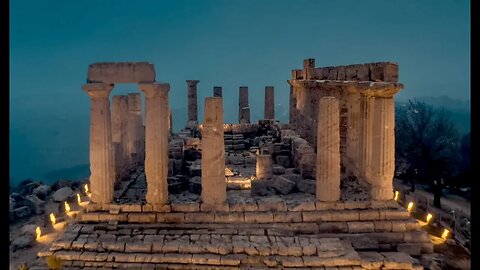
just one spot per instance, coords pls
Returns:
(428, 218)
(53, 219)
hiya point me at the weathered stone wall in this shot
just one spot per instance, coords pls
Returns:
(376, 72)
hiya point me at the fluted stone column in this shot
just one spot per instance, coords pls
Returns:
(134, 127)
(192, 100)
(243, 108)
(383, 150)
(119, 122)
(269, 103)
(102, 166)
(156, 133)
(214, 185)
(217, 91)
(264, 169)
(328, 150)
(365, 143)
(353, 132)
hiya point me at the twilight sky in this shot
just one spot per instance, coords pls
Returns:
(226, 43)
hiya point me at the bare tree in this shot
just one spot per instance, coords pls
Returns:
(427, 139)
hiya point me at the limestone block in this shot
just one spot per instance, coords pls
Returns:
(201, 217)
(277, 169)
(185, 207)
(283, 185)
(317, 216)
(258, 217)
(333, 227)
(307, 186)
(360, 227)
(397, 260)
(302, 206)
(283, 161)
(288, 217)
(121, 72)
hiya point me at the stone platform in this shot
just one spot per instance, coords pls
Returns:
(252, 232)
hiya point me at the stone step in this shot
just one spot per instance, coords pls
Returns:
(194, 215)
(350, 260)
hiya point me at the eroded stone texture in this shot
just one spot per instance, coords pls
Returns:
(134, 127)
(156, 160)
(352, 151)
(102, 167)
(217, 91)
(121, 72)
(269, 103)
(214, 185)
(293, 109)
(243, 108)
(192, 100)
(328, 150)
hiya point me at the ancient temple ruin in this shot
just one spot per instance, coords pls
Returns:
(312, 193)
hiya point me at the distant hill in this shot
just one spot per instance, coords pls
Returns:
(459, 110)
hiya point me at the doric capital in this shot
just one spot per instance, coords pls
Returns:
(192, 83)
(98, 90)
(154, 89)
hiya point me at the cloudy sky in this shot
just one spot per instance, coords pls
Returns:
(227, 43)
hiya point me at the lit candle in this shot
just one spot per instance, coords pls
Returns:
(38, 232)
(396, 195)
(53, 219)
(429, 217)
(79, 200)
(86, 188)
(445, 234)
(67, 207)
(410, 206)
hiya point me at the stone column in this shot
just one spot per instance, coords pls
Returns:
(170, 121)
(269, 103)
(353, 132)
(243, 109)
(328, 150)
(124, 127)
(192, 100)
(264, 169)
(365, 143)
(293, 108)
(134, 127)
(217, 91)
(156, 133)
(383, 150)
(102, 166)
(214, 185)
(118, 133)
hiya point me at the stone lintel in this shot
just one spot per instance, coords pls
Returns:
(121, 72)
(374, 89)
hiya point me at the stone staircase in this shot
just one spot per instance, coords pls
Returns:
(256, 233)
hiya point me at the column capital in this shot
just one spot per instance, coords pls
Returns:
(154, 89)
(98, 90)
(192, 83)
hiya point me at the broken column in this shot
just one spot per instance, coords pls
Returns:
(264, 169)
(119, 122)
(214, 185)
(102, 166)
(217, 91)
(192, 100)
(156, 140)
(383, 150)
(243, 109)
(328, 150)
(134, 127)
(292, 110)
(269, 103)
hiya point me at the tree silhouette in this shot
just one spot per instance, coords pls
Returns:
(428, 141)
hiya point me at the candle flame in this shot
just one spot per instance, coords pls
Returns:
(410, 206)
(86, 188)
(53, 219)
(67, 207)
(79, 200)
(445, 234)
(429, 217)
(38, 231)
(396, 195)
